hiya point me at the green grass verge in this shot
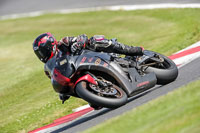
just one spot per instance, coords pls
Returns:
(176, 112)
(27, 100)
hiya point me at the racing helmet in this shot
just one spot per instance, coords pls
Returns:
(45, 46)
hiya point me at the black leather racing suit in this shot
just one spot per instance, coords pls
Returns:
(97, 43)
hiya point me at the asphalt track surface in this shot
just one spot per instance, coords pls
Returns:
(8, 7)
(187, 73)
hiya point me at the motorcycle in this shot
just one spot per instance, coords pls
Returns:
(108, 80)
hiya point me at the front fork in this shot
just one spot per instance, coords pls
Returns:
(100, 82)
(88, 77)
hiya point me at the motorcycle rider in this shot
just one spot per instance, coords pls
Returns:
(47, 48)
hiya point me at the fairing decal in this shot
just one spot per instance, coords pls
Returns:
(60, 78)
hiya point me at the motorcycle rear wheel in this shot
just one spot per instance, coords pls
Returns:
(84, 91)
(166, 72)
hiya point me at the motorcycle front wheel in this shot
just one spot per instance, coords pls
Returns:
(110, 98)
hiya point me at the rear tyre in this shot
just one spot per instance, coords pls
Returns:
(166, 71)
(86, 91)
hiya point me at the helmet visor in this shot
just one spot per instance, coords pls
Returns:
(44, 51)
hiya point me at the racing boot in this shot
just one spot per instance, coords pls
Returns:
(120, 48)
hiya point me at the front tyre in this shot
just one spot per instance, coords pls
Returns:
(95, 95)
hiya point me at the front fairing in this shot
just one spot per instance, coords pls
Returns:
(65, 66)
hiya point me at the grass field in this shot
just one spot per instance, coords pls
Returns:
(176, 112)
(27, 100)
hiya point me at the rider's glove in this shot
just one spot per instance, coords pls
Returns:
(76, 47)
(82, 41)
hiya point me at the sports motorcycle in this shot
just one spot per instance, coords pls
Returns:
(108, 80)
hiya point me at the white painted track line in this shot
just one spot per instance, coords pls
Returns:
(112, 8)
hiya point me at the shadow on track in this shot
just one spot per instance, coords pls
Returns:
(143, 93)
(82, 120)
(100, 112)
